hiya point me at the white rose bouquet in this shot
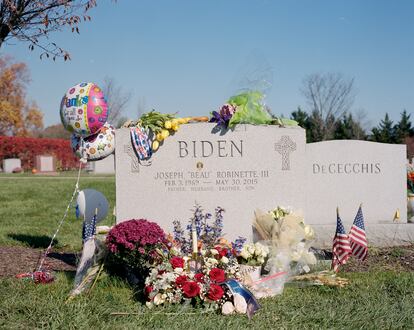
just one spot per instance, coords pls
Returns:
(289, 238)
(253, 254)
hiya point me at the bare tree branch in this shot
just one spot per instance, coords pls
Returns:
(329, 97)
(32, 20)
(117, 99)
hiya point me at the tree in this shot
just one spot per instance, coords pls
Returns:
(384, 132)
(55, 132)
(17, 117)
(116, 98)
(329, 96)
(32, 120)
(301, 117)
(31, 21)
(349, 129)
(403, 128)
(13, 78)
(304, 121)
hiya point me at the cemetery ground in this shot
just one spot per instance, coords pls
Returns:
(380, 294)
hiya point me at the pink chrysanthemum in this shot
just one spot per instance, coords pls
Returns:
(134, 235)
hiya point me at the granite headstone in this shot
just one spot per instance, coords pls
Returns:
(348, 173)
(10, 164)
(261, 167)
(103, 166)
(241, 170)
(45, 163)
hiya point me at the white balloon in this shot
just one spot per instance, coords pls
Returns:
(96, 146)
(88, 201)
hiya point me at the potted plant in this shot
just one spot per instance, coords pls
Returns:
(135, 246)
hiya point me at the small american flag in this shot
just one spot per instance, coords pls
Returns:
(89, 229)
(358, 238)
(341, 249)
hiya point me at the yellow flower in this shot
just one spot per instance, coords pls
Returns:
(167, 124)
(159, 137)
(164, 134)
(155, 145)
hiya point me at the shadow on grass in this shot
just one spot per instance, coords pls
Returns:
(68, 258)
(33, 241)
(69, 274)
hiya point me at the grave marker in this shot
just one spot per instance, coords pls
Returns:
(10, 164)
(45, 164)
(262, 167)
(238, 170)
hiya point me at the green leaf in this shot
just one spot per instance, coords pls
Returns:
(249, 109)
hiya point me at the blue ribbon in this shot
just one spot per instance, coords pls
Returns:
(236, 287)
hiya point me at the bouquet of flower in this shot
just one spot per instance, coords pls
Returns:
(198, 266)
(410, 178)
(136, 244)
(280, 212)
(253, 254)
(289, 238)
(208, 231)
(179, 280)
(244, 108)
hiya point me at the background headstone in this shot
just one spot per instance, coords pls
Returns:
(45, 164)
(252, 167)
(10, 164)
(346, 173)
(103, 166)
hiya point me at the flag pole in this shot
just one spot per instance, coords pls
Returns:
(333, 256)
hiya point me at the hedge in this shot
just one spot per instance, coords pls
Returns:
(28, 148)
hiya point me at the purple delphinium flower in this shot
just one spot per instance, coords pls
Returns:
(180, 238)
(206, 231)
(178, 231)
(237, 245)
(198, 220)
(217, 227)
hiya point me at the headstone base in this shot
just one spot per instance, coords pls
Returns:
(48, 173)
(379, 235)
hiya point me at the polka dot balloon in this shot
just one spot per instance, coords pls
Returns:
(83, 109)
(96, 146)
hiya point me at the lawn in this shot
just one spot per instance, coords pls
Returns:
(31, 207)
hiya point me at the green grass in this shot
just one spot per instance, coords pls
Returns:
(32, 207)
(371, 301)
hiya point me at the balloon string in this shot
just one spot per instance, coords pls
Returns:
(63, 219)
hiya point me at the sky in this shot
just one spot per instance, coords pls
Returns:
(188, 56)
